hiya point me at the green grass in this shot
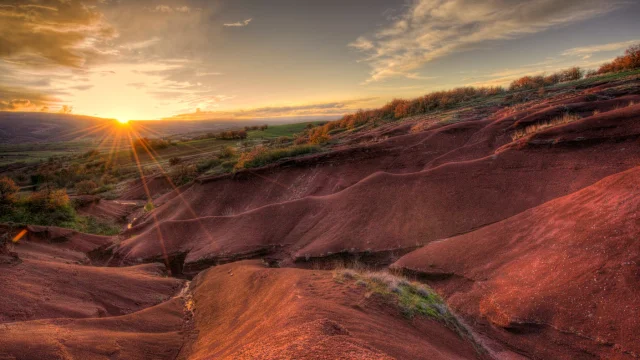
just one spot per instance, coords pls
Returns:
(267, 156)
(276, 131)
(65, 217)
(412, 298)
(599, 78)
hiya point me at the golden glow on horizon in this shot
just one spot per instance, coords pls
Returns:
(122, 121)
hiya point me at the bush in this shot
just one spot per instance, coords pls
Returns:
(535, 82)
(8, 191)
(86, 187)
(227, 152)
(49, 199)
(232, 135)
(144, 144)
(183, 174)
(205, 165)
(261, 156)
(629, 61)
(174, 161)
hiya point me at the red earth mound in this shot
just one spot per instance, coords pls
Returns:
(372, 215)
(246, 311)
(142, 189)
(557, 281)
(115, 211)
(47, 280)
(55, 305)
(153, 333)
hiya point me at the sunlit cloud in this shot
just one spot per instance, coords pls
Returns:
(53, 32)
(587, 51)
(432, 29)
(239, 23)
(327, 109)
(168, 9)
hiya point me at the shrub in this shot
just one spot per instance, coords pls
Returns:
(227, 152)
(149, 206)
(49, 199)
(86, 187)
(174, 161)
(8, 191)
(183, 174)
(534, 82)
(629, 61)
(261, 156)
(205, 165)
(144, 144)
(232, 135)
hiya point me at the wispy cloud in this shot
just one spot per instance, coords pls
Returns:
(587, 51)
(67, 33)
(431, 29)
(239, 23)
(323, 110)
(168, 9)
(20, 99)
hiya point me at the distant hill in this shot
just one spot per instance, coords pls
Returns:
(21, 127)
(30, 127)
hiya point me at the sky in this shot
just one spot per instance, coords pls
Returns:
(242, 59)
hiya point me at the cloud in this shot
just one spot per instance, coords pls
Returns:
(239, 23)
(168, 9)
(58, 32)
(432, 29)
(20, 99)
(141, 44)
(327, 109)
(586, 51)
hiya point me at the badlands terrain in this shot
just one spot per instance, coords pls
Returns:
(496, 230)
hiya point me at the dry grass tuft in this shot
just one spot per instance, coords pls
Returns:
(537, 127)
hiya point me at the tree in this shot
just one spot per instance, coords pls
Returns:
(8, 191)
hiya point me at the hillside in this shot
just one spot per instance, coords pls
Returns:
(519, 209)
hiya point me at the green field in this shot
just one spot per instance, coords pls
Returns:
(277, 131)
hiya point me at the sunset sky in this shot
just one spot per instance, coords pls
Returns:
(228, 59)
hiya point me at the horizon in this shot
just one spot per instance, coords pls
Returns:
(246, 60)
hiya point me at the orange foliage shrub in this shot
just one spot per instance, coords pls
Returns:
(629, 61)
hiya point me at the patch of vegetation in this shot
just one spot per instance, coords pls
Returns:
(261, 156)
(183, 174)
(412, 298)
(537, 127)
(47, 208)
(207, 164)
(288, 130)
(144, 144)
(149, 206)
(92, 225)
(540, 81)
(629, 61)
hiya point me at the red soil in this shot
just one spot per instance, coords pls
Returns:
(371, 215)
(565, 273)
(246, 311)
(115, 211)
(153, 333)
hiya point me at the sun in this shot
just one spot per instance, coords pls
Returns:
(122, 121)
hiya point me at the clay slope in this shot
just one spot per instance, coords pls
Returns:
(153, 333)
(246, 311)
(55, 304)
(385, 212)
(557, 281)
